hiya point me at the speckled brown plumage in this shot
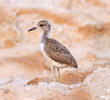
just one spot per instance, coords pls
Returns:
(59, 53)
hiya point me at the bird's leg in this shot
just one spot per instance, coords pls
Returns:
(59, 78)
(54, 75)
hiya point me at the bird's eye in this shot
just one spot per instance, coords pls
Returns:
(41, 25)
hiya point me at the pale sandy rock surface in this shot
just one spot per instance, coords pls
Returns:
(99, 81)
(83, 26)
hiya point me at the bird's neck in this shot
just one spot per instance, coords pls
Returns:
(45, 36)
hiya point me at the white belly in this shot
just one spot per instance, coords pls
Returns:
(51, 61)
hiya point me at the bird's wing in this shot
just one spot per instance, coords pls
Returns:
(58, 52)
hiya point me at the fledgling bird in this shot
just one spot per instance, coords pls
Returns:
(57, 55)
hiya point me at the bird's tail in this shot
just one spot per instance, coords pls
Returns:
(74, 64)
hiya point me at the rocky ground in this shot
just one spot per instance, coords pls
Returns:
(83, 26)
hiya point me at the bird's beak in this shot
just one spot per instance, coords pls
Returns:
(33, 28)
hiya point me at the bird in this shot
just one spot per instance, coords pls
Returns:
(56, 53)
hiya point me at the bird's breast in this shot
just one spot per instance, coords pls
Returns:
(42, 45)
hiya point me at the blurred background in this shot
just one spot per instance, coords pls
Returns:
(83, 26)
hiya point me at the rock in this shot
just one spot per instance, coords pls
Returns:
(69, 77)
(10, 32)
(81, 25)
(33, 82)
(98, 83)
(9, 43)
(54, 91)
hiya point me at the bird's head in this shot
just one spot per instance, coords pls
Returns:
(42, 25)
